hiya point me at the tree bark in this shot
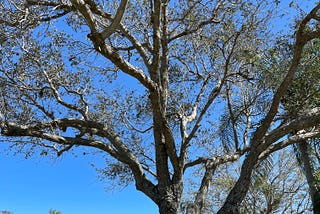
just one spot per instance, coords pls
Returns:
(309, 173)
(240, 189)
(197, 206)
(168, 207)
(170, 198)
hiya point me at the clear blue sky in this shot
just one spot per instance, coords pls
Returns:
(68, 184)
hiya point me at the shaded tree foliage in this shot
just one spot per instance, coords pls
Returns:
(303, 95)
(161, 88)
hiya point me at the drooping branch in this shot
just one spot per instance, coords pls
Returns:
(118, 150)
(13, 130)
(56, 93)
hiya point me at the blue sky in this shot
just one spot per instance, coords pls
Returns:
(68, 184)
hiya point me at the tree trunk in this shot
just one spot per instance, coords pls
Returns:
(169, 202)
(193, 209)
(197, 206)
(309, 173)
(316, 202)
(240, 189)
(168, 207)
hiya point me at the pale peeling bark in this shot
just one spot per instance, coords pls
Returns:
(106, 50)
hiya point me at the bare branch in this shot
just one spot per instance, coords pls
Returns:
(212, 96)
(192, 31)
(141, 48)
(300, 136)
(201, 25)
(233, 120)
(187, 119)
(218, 160)
(59, 98)
(136, 44)
(309, 119)
(132, 127)
(65, 149)
(83, 8)
(106, 50)
(56, 16)
(196, 162)
(116, 20)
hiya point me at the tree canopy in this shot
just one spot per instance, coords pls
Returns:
(161, 88)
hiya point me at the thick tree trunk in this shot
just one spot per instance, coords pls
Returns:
(169, 202)
(316, 202)
(168, 207)
(193, 209)
(309, 173)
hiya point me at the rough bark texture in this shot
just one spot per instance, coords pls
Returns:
(170, 199)
(199, 203)
(309, 170)
(240, 189)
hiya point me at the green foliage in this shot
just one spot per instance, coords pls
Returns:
(52, 211)
(304, 92)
